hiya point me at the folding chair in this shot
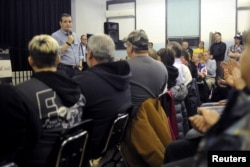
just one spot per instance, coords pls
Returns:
(71, 146)
(116, 133)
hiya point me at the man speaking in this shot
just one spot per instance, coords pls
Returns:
(69, 44)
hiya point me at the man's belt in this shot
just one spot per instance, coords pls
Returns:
(69, 66)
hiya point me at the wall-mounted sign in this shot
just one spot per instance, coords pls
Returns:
(5, 67)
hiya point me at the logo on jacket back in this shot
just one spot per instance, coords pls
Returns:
(53, 114)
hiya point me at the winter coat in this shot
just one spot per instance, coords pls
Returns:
(147, 135)
(58, 102)
(180, 92)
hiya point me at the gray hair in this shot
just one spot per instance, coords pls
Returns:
(102, 47)
(176, 47)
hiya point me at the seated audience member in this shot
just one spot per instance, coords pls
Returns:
(202, 73)
(211, 69)
(167, 58)
(185, 46)
(235, 51)
(179, 91)
(200, 48)
(143, 66)
(201, 68)
(19, 126)
(152, 53)
(210, 122)
(106, 88)
(186, 61)
(54, 97)
(184, 72)
(176, 47)
(150, 45)
(187, 73)
(218, 129)
(148, 81)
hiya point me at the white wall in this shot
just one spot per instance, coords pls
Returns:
(126, 24)
(151, 17)
(89, 16)
(218, 16)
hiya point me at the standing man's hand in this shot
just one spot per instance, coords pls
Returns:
(70, 39)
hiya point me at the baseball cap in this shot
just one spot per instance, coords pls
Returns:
(237, 36)
(139, 39)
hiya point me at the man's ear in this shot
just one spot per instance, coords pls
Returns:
(131, 49)
(31, 61)
(90, 54)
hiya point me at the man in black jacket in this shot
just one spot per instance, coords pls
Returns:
(19, 126)
(217, 52)
(105, 86)
(53, 96)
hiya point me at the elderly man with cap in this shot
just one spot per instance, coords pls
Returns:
(235, 51)
(148, 121)
(149, 76)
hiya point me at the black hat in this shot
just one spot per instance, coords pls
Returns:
(237, 36)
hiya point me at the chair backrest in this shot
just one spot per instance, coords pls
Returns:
(11, 164)
(117, 130)
(192, 100)
(70, 149)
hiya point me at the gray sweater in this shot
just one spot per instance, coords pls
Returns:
(211, 68)
(149, 79)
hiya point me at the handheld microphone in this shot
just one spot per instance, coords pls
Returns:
(69, 32)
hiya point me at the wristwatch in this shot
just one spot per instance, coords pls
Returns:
(69, 44)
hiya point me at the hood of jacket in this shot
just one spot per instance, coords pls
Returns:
(65, 87)
(172, 75)
(116, 74)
